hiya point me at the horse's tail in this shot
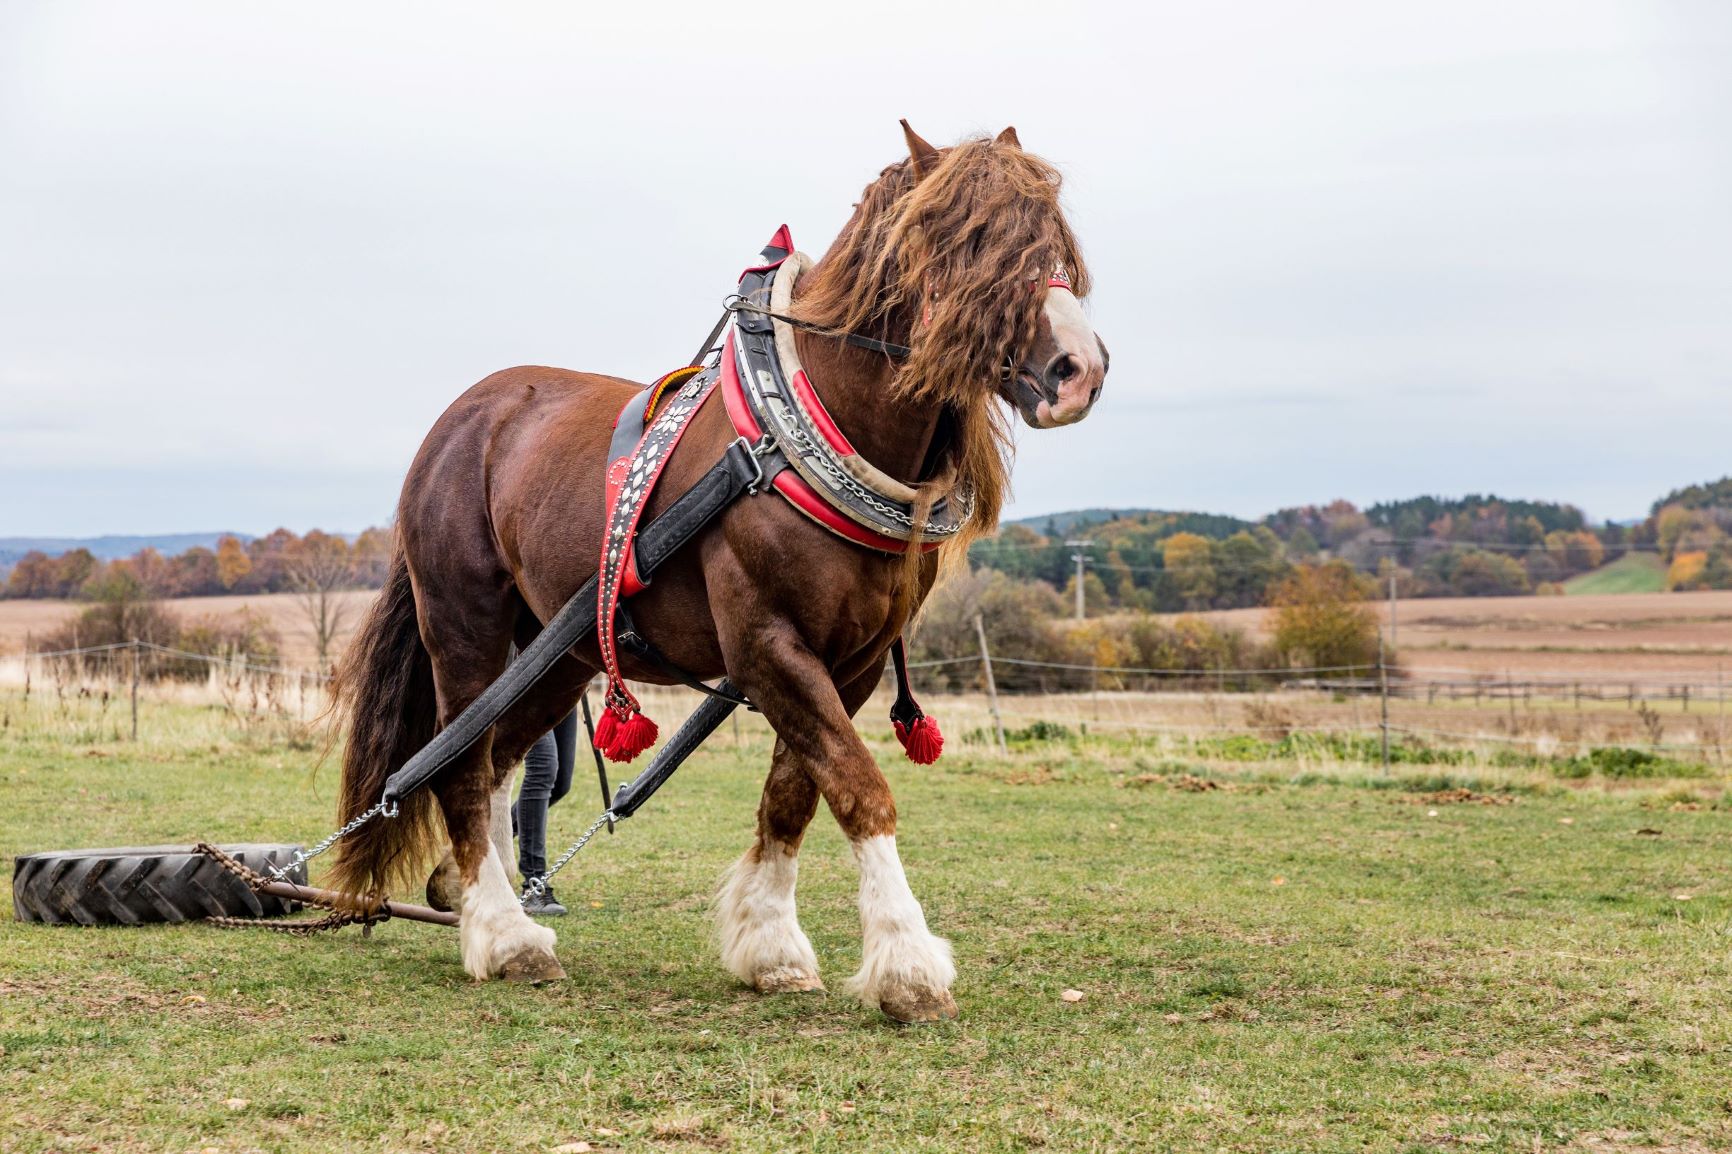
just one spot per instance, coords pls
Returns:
(384, 689)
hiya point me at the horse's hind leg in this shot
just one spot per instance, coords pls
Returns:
(498, 938)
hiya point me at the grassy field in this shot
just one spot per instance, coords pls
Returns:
(1631, 573)
(1271, 956)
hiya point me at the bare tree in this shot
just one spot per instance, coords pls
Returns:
(319, 568)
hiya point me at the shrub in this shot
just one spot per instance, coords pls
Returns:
(1322, 620)
(1620, 762)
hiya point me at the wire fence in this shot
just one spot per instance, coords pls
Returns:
(1537, 710)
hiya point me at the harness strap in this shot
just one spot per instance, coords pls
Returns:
(736, 474)
(645, 650)
(918, 732)
(624, 731)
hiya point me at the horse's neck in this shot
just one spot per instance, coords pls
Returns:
(855, 387)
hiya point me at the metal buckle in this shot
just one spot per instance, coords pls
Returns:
(756, 454)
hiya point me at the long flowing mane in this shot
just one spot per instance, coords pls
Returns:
(959, 260)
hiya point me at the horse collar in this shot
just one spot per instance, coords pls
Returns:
(771, 402)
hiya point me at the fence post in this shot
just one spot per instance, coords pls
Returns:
(134, 646)
(1720, 723)
(991, 685)
(1383, 694)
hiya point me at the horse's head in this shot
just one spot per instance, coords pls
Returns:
(964, 255)
(983, 236)
(1054, 377)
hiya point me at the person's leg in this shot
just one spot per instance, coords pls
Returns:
(540, 769)
(565, 744)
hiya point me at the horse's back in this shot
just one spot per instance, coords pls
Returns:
(510, 476)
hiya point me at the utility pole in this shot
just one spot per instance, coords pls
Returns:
(1394, 633)
(1081, 560)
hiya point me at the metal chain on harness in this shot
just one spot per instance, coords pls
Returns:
(537, 886)
(302, 857)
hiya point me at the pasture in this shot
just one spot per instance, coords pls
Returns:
(1276, 951)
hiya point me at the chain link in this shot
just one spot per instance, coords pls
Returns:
(537, 886)
(302, 857)
(253, 880)
(811, 451)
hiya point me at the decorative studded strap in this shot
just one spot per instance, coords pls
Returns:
(630, 481)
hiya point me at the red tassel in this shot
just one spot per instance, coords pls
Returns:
(606, 730)
(923, 742)
(627, 739)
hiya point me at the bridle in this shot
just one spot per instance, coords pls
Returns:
(739, 304)
(735, 303)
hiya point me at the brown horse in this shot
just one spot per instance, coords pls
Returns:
(948, 252)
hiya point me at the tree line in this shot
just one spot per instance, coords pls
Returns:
(279, 562)
(1474, 546)
(1471, 546)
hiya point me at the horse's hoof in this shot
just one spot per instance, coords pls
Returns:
(533, 966)
(788, 980)
(445, 886)
(912, 1006)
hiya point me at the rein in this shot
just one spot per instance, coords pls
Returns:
(738, 304)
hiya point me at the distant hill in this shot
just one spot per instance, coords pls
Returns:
(1712, 495)
(1062, 523)
(111, 548)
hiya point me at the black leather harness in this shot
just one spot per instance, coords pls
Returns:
(744, 468)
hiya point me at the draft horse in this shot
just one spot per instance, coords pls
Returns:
(961, 255)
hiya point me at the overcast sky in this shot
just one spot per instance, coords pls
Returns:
(248, 253)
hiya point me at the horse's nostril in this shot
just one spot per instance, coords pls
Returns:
(1061, 369)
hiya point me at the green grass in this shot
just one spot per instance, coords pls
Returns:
(1631, 573)
(1265, 966)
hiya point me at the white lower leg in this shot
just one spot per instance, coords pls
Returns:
(493, 926)
(499, 826)
(903, 967)
(761, 939)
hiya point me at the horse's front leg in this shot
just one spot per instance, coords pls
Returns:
(756, 925)
(905, 970)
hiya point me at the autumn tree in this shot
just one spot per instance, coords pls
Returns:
(370, 558)
(232, 562)
(1186, 557)
(1322, 619)
(317, 569)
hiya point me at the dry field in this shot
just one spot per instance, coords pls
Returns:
(1652, 636)
(1607, 637)
(22, 620)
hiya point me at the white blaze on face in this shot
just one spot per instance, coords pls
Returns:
(1073, 334)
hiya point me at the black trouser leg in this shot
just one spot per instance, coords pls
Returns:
(547, 771)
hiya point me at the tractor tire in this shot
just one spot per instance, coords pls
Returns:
(132, 886)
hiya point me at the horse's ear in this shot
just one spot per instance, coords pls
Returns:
(1008, 136)
(924, 156)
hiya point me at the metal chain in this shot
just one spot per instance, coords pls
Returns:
(252, 879)
(305, 929)
(810, 450)
(537, 886)
(302, 857)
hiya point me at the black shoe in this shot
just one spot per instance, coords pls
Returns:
(542, 905)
